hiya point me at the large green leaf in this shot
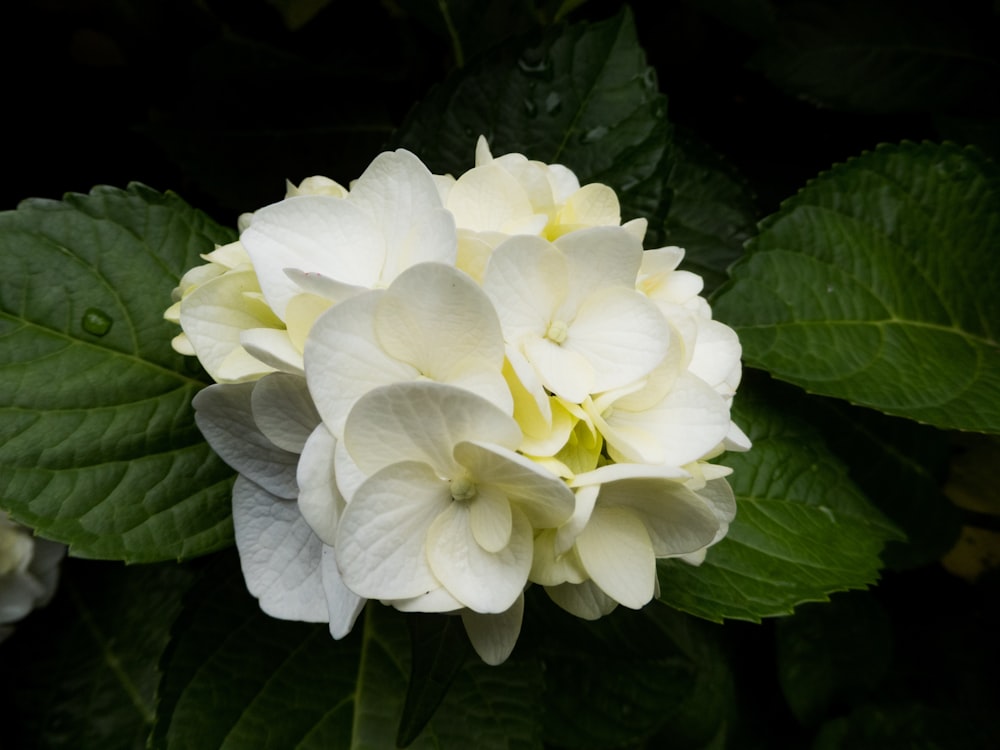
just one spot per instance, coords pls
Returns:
(802, 530)
(98, 447)
(877, 284)
(236, 678)
(581, 95)
(81, 674)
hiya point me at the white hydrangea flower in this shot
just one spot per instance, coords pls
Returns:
(626, 517)
(438, 391)
(433, 322)
(448, 503)
(570, 310)
(510, 195)
(29, 572)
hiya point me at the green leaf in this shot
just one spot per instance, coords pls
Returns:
(98, 446)
(901, 466)
(628, 677)
(802, 530)
(900, 56)
(823, 664)
(297, 13)
(877, 284)
(439, 648)
(581, 95)
(712, 213)
(234, 677)
(86, 667)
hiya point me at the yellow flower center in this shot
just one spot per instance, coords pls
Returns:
(558, 330)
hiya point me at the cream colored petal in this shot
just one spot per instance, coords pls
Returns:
(382, 535)
(494, 636)
(483, 581)
(616, 552)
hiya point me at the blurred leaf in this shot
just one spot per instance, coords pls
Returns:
(712, 212)
(98, 445)
(802, 530)
(439, 649)
(902, 725)
(831, 656)
(876, 284)
(581, 95)
(86, 667)
(887, 56)
(629, 676)
(297, 13)
(234, 677)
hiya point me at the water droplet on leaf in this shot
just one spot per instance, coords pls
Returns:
(536, 63)
(594, 134)
(96, 322)
(553, 103)
(649, 79)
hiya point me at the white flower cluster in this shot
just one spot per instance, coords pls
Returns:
(29, 572)
(437, 391)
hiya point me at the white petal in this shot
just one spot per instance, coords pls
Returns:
(585, 600)
(600, 257)
(567, 373)
(541, 495)
(279, 554)
(423, 421)
(320, 502)
(494, 636)
(622, 335)
(686, 425)
(526, 278)
(736, 439)
(398, 191)
(315, 234)
(214, 316)
(550, 568)
(716, 356)
(344, 359)
(677, 520)
(616, 552)
(283, 410)
(483, 581)
(343, 605)
(490, 519)
(382, 533)
(488, 198)
(438, 600)
(437, 319)
(224, 415)
(274, 348)
(349, 476)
